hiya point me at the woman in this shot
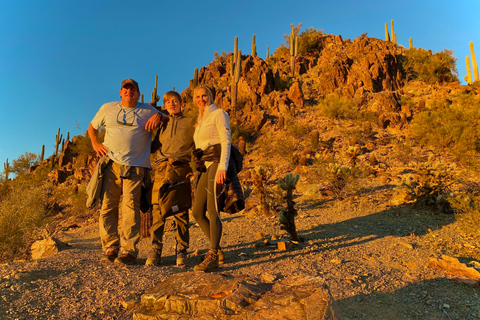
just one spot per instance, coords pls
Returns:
(213, 142)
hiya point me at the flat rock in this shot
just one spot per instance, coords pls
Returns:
(201, 295)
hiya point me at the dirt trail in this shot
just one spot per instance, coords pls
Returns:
(373, 257)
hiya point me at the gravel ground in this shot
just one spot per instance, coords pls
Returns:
(374, 259)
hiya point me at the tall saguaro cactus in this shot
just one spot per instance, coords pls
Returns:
(469, 70)
(394, 37)
(235, 78)
(58, 140)
(155, 98)
(268, 53)
(42, 154)
(6, 169)
(293, 49)
(254, 47)
(474, 63)
(387, 36)
(195, 78)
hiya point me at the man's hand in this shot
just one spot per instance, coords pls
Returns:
(154, 121)
(100, 149)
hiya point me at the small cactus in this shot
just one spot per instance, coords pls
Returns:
(314, 136)
(242, 145)
(353, 153)
(281, 122)
(287, 215)
(260, 178)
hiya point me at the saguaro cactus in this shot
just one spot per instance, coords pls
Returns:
(387, 36)
(58, 140)
(468, 78)
(474, 63)
(254, 47)
(393, 33)
(287, 215)
(268, 53)
(195, 78)
(42, 154)
(293, 49)
(235, 49)
(141, 98)
(155, 98)
(410, 43)
(235, 79)
(6, 169)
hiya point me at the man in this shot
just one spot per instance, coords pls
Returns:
(128, 125)
(171, 194)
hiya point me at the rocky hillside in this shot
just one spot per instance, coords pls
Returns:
(383, 194)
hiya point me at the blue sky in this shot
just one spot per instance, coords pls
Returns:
(61, 60)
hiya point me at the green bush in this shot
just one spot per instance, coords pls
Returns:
(23, 208)
(431, 68)
(308, 41)
(454, 126)
(337, 108)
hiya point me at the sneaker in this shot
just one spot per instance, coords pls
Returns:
(210, 263)
(221, 257)
(154, 259)
(181, 258)
(126, 258)
(110, 255)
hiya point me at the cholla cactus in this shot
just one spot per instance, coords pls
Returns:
(353, 153)
(430, 181)
(287, 215)
(338, 175)
(260, 177)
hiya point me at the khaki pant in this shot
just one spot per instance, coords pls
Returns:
(115, 231)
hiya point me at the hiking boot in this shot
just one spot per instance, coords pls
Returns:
(210, 263)
(110, 255)
(181, 258)
(126, 258)
(221, 257)
(154, 259)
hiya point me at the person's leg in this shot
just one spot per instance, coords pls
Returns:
(156, 236)
(212, 208)
(199, 205)
(130, 227)
(108, 219)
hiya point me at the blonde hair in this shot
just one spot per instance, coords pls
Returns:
(207, 91)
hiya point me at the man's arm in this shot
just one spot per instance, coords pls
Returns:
(99, 148)
(155, 121)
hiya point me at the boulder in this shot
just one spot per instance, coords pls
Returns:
(194, 295)
(46, 247)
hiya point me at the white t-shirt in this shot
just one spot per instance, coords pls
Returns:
(125, 135)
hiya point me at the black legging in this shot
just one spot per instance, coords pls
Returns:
(206, 201)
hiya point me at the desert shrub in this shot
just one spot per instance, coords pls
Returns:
(282, 83)
(466, 206)
(22, 213)
(430, 182)
(238, 129)
(431, 68)
(454, 126)
(308, 42)
(298, 130)
(337, 108)
(24, 162)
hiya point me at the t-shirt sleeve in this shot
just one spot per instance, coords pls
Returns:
(99, 119)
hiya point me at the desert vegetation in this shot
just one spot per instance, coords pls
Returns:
(420, 129)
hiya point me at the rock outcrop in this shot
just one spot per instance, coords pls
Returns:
(222, 296)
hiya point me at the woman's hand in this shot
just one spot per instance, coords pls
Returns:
(221, 176)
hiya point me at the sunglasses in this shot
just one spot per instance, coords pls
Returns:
(124, 118)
